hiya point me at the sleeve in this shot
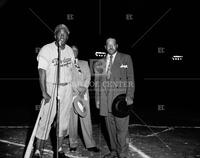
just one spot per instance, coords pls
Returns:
(97, 85)
(130, 78)
(74, 78)
(42, 63)
(72, 55)
(42, 58)
(87, 75)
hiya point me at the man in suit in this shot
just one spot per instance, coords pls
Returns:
(81, 81)
(117, 78)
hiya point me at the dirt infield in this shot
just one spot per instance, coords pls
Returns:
(144, 142)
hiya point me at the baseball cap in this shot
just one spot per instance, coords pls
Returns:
(61, 26)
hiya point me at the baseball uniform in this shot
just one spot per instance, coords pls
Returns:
(48, 60)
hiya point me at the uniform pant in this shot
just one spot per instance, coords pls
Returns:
(49, 111)
(118, 134)
(86, 127)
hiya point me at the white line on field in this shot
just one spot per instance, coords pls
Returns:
(18, 127)
(151, 135)
(45, 150)
(132, 125)
(12, 143)
(139, 125)
(134, 149)
(21, 145)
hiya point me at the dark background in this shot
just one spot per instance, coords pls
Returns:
(24, 26)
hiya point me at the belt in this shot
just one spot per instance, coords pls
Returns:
(62, 84)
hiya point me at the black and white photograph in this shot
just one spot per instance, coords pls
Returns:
(99, 79)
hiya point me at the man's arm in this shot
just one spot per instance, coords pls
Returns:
(42, 79)
(87, 76)
(97, 86)
(130, 80)
(97, 90)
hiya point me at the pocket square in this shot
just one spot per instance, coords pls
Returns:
(124, 66)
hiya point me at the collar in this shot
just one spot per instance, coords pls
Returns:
(62, 48)
(108, 56)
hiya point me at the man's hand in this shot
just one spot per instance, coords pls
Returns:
(129, 100)
(82, 90)
(97, 104)
(46, 97)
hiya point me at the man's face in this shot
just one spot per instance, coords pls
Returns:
(75, 50)
(111, 46)
(62, 36)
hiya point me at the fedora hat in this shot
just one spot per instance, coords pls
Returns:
(79, 105)
(120, 107)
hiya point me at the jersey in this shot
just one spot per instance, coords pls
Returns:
(48, 60)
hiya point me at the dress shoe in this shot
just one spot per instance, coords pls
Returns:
(94, 149)
(61, 154)
(111, 155)
(72, 149)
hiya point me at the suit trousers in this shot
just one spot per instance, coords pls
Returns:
(86, 127)
(118, 134)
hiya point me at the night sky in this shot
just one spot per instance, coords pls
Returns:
(151, 32)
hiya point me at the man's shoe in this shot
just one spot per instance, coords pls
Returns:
(36, 155)
(72, 149)
(94, 149)
(61, 154)
(110, 155)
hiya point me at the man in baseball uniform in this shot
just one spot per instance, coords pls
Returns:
(47, 66)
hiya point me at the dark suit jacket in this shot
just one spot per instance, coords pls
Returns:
(121, 81)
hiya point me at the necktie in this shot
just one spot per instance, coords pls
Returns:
(109, 67)
(77, 66)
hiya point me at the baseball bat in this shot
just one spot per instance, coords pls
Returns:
(31, 141)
